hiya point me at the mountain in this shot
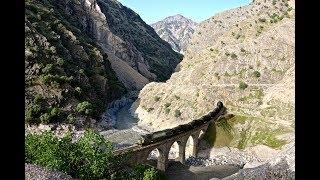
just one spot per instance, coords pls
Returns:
(244, 57)
(176, 30)
(81, 54)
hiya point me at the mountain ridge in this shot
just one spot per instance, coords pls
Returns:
(176, 30)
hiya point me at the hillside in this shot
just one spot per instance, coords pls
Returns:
(243, 57)
(80, 56)
(176, 30)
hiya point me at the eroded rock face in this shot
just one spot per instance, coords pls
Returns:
(243, 57)
(176, 30)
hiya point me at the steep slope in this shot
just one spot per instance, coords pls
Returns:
(176, 30)
(83, 54)
(121, 31)
(243, 57)
(67, 75)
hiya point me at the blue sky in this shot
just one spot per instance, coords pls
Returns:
(198, 10)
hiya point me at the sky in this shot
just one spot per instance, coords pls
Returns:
(152, 11)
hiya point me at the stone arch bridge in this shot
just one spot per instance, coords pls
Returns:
(163, 140)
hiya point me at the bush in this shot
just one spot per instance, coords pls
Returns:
(90, 157)
(242, 50)
(256, 74)
(49, 117)
(233, 56)
(262, 19)
(146, 172)
(243, 85)
(32, 112)
(177, 113)
(167, 110)
(71, 119)
(167, 105)
(47, 69)
(60, 62)
(45, 118)
(84, 107)
(150, 109)
(156, 98)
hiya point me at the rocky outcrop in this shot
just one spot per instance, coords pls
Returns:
(176, 30)
(280, 167)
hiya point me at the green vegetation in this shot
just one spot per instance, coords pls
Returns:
(63, 155)
(262, 19)
(177, 97)
(256, 74)
(145, 172)
(84, 108)
(150, 109)
(167, 110)
(167, 105)
(243, 85)
(177, 113)
(156, 98)
(90, 157)
(64, 67)
(234, 56)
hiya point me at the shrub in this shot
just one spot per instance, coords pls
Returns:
(45, 118)
(60, 62)
(177, 113)
(262, 19)
(90, 157)
(32, 112)
(256, 74)
(146, 172)
(242, 50)
(37, 98)
(243, 85)
(177, 97)
(71, 119)
(167, 110)
(156, 98)
(233, 56)
(150, 109)
(47, 69)
(84, 108)
(167, 105)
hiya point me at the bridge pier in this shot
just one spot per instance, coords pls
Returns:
(163, 158)
(182, 149)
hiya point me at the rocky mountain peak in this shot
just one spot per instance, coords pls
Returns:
(176, 30)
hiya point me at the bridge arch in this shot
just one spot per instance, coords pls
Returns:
(174, 150)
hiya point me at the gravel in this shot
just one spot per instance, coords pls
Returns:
(34, 172)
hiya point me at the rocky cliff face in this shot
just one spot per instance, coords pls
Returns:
(176, 30)
(243, 57)
(81, 54)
